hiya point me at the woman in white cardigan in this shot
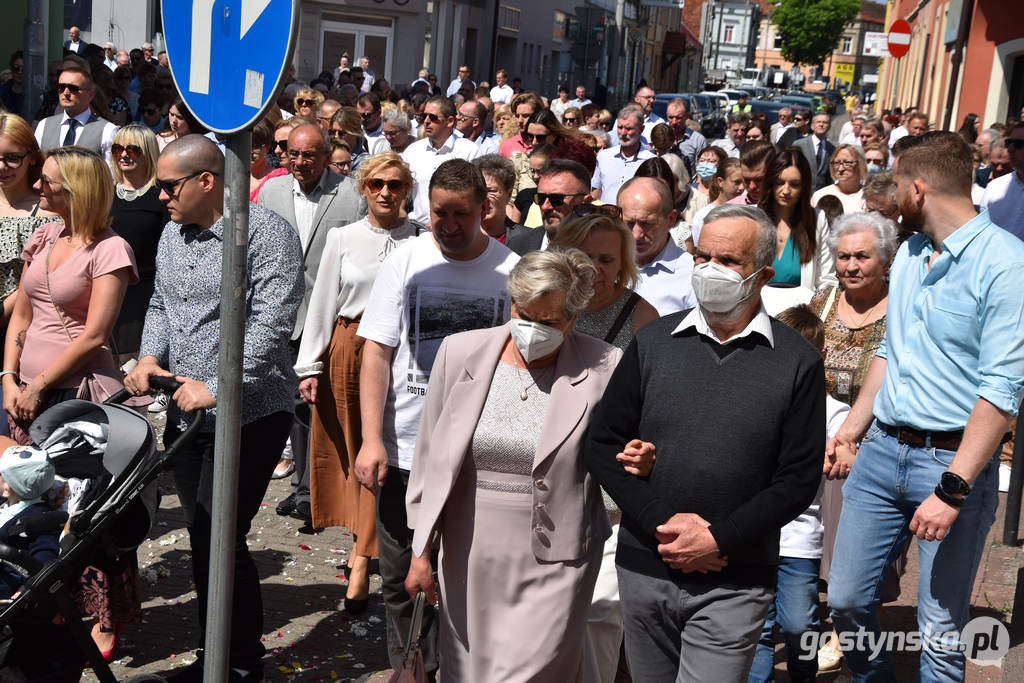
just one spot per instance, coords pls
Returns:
(330, 357)
(802, 257)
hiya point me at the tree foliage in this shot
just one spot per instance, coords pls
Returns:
(811, 29)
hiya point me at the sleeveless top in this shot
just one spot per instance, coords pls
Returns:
(15, 232)
(599, 323)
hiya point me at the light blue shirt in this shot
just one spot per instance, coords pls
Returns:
(614, 169)
(954, 333)
(666, 282)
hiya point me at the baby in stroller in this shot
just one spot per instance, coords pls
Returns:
(26, 479)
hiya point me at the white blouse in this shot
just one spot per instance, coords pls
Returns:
(351, 258)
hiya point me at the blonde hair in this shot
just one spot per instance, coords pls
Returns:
(375, 162)
(575, 231)
(90, 189)
(505, 109)
(140, 136)
(20, 133)
(858, 156)
(308, 94)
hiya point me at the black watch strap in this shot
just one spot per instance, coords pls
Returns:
(952, 483)
(952, 501)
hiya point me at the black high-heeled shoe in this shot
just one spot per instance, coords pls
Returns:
(356, 607)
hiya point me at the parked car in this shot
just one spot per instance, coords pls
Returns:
(703, 110)
(804, 101)
(767, 107)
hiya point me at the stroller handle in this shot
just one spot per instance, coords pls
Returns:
(168, 385)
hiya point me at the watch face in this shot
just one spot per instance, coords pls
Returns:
(953, 484)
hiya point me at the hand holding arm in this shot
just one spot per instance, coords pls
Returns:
(637, 457)
(685, 543)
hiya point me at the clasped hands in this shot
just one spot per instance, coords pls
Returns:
(192, 395)
(840, 453)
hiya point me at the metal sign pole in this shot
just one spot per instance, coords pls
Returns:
(229, 406)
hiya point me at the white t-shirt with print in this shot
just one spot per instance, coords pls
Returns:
(419, 298)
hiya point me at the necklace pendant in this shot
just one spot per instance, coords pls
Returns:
(523, 395)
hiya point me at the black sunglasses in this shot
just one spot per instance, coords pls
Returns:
(609, 210)
(70, 87)
(568, 120)
(434, 118)
(283, 145)
(171, 186)
(368, 115)
(304, 103)
(540, 138)
(377, 184)
(556, 198)
(134, 151)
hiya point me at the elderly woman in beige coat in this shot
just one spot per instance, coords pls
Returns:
(498, 474)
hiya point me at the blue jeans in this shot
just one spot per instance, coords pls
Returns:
(888, 482)
(795, 610)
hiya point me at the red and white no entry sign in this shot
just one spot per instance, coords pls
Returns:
(899, 38)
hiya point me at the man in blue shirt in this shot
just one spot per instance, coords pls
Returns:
(932, 413)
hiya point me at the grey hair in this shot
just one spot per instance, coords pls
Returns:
(997, 144)
(396, 117)
(767, 236)
(991, 133)
(884, 229)
(499, 168)
(540, 273)
(631, 110)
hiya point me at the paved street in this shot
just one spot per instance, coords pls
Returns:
(310, 638)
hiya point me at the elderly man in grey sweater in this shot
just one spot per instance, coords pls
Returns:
(734, 403)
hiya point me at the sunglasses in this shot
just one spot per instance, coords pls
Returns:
(70, 87)
(609, 210)
(281, 145)
(555, 198)
(336, 133)
(377, 184)
(304, 103)
(171, 186)
(540, 138)
(134, 151)
(368, 115)
(434, 118)
(568, 120)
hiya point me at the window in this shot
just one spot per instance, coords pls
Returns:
(777, 42)
(730, 30)
(847, 45)
(508, 18)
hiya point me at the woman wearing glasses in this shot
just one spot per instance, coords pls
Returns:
(260, 170)
(306, 103)
(20, 213)
(137, 215)
(76, 274)
(330, 357)
(346, 126)
(802, 254)
(572, 118)
(848, 170)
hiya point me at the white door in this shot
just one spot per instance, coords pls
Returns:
(357, 39)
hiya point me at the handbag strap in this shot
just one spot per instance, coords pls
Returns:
(828, 303)
(624, 314)
(60, 316)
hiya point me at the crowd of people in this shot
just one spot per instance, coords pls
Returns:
(603, 390)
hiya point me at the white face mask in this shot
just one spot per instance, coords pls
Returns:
(535, 340)
(720, 289)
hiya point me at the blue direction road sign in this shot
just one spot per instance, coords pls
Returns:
(228, 56)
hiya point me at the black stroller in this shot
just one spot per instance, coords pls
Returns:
(113, 449)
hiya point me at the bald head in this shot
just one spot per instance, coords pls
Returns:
(641, 189)
(646, 205)
(195, 152)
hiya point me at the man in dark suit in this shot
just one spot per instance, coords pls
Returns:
(563, 184)
(313, 199)
(75, 44)
(818, 149)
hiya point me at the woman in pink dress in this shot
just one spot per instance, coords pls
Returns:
(75, 277)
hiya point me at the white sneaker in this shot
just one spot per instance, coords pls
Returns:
(159, 403)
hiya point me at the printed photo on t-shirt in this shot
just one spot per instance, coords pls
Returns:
(435, 313)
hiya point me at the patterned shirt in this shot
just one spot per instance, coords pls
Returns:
(848, 350)
(183, 321)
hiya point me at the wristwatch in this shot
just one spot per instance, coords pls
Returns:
(953, 484)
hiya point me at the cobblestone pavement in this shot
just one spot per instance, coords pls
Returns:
(309, 637)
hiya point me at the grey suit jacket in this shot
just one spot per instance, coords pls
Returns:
(569, 520)
(821, 174)
(340, 204)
